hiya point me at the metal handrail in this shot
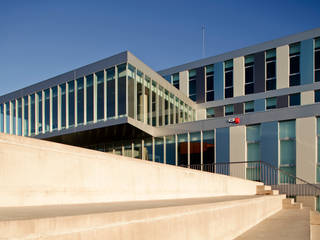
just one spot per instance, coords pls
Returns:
(277, 171)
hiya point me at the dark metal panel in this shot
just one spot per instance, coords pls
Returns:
(282, 101)
(259, 72)
(222, 145)
(238, 108)
(219, 111)
(201, 87)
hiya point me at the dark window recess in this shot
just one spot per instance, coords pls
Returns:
(294, 99)
(249, 74)
(192, 87)
(249, 88)
(317, 95)
(271, 69)
(295, 80)
(193, 97)
(228, 93)
(228, 79)
(317, 76)
(294, 64)
(210, 85)
(271, 84)
(317, 60)
(210, 96)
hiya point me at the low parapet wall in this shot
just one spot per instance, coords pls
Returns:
(37, 172)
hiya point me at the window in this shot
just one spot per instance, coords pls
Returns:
(131, 90)
(140, 108)
(317, 60)
(229, 109)
(318, 148)
(160, 97)
(195, 149)
(54, 108)
(175, 80)
(46, 110)
(19, 129)
(89, 98)
(148, 147)
(193, 85)
(253, 152)
(317, 95)
(182, 149)
(122, 89)
(210, 112)
(33, 114)
(137, 149)
(249, 107)
(80, 101)
(294, 99)
(209, 83)
(271, 103)
(71, 97)
(39, 97)
(1, 118)
(171, 150)
(228, 78)
(166, 107)
(249, 75)
(8, 117)
(271, 82)
(294, 65)
(208, 150)
(13, 117)
(158, 153)
(63, 105)
(154, 103)
(287, 149)
(111, 93)
(26, 116)
(100, 95)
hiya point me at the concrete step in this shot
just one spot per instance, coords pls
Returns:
(284, 225)
(263, 188)
(288, 201)
(202, 219)
(293, 206)
(268, 192)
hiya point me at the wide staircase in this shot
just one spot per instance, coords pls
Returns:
(51, 191)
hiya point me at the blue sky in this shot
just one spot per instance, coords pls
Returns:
(42, 39)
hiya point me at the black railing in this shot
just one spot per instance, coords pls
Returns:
(280, 179)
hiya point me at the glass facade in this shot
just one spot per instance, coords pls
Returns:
(317, 60)
(122, 89)
(287, 148)
(54, 111)
(271, 103)
(100, 95)
(193, 85)
(63, 105)
(26, 116)
(182, 149)
(39, 111)
(33, 114)
(210, 112)
(7, 117)
(195, 148)
(71, 105)
(249, 75)
(253, 136)
(171, 150)
(294, 78)
(19, 114)
(228, 110)
(80, 101)
(210, 83)
(249, 107)
(159, 153)
(228, 79)
(271, 83)
(111, 93)
(175, 80)
(89, 98)
(1, 118)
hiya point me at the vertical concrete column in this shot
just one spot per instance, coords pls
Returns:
(307, 97)
(218, 81)
(307, 62)
(282, 66)
(222, 145)
(238, 76)
(269, 143)
(306, 148)
(184, 82)
(259, 105)
(237, 151)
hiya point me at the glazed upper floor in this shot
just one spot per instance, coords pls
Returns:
(277, 64)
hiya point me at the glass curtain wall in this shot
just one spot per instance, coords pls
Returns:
(8, 117)
(148, 149)
(172, 118)
(318, 150)
(47, 110)
(39, 107)
(122, 89)
(63, 105)
(131, 86)
(271, 82)
(54, 108)
(147, 92)
(209, 83)
(228, 79)
(195, 148)
(19, 128)
(160, 104)
(111, 93)
(89, 98)
(33, 114)
(294, 78)
(317, 60)
(100, 95)
(208, 150)
(71, 103)
(1, 118)
(183, 149)
(13, 117)
(137, 149)
(80, 101)
(249, 77)
(193, 85)
(159, 153)
(175, 80)
(287, 149)
(253, 137)
(171, 150)
(140, 100)
(166, 107)
(26, 116)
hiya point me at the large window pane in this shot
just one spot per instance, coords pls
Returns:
(89, 98)
(148, 149)
(8, 117)
(183, 149)
(39, 96)
(158, 149)
(33, 113)
(100, 95)
(63, 105)
(253, 152)
(287, 129)
(13, 116)
(288, 152)
(140, 108)
(137, 149)
(80, 101)
(1, 118)
(47, 110)
(110, 93)
(122, 90)
(171, 150)
(19, 117)
(71, 101)
(54, 108)
(26, 116)
(208, 148)
(195, 148)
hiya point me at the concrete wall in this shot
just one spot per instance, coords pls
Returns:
(306, 149)
(238, 151)
(307, 97)
(238, 76)
(282, 66)
(184, 82)
(35, 172)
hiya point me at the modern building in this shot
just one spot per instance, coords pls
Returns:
(185, 115)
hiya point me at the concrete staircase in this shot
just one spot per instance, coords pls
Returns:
(50, 191)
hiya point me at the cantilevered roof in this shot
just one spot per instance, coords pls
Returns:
(243, 51)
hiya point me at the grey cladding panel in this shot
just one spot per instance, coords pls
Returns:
(238, 108)
(219, 111)
(259, 72)
(282, 101)
(201, 85)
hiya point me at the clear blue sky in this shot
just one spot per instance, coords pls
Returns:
(41, 39)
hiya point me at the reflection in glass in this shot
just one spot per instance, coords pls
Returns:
(110, 93)
(63, 105)
(8, 117)
(13, 116)
(158, 150)
(39, 106)
(20, 117)
(195, 148)
(122, 90)
(137, 149)
(71, 101)
(208, 147)
(170, 150)
(182, 149)
(100, 95)
(80, 101)
(47, 110)
(54, 107)
(89, 98)
(148, 149)
(26, 117)
(33, 114)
